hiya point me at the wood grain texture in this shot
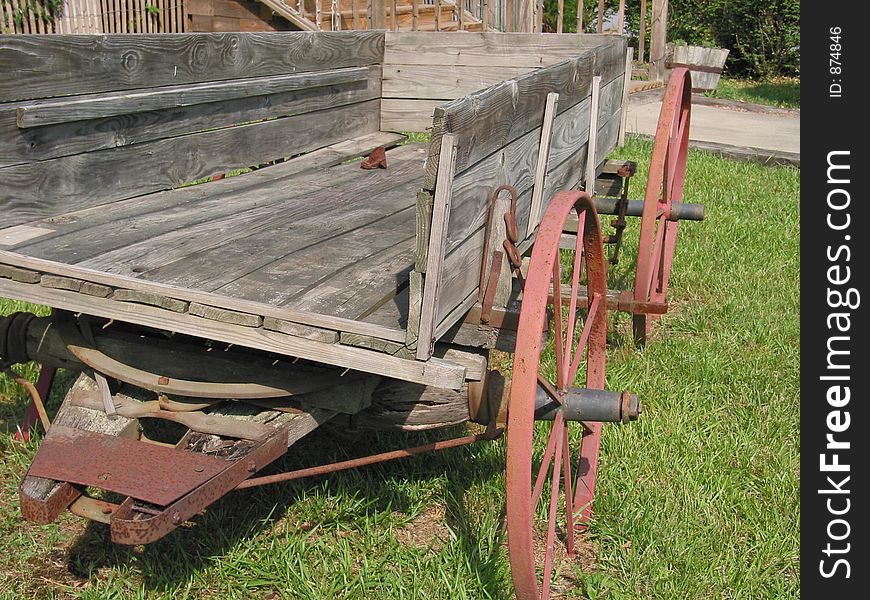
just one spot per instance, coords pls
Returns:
(485, 121)
(443, 82)
(64, 64)
(485, 49)
(111, 104)
(39, 190)
(437, 242)
(433, 372)
(78, 235)
(26, 264)
(43, 143)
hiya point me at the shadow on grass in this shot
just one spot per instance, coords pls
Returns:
(257, 512)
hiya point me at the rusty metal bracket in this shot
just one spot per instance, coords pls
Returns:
(128, 526)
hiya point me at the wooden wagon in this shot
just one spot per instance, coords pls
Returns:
(253, 308)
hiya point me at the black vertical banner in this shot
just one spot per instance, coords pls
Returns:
(834, 344)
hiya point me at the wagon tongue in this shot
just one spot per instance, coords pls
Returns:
(163, 484)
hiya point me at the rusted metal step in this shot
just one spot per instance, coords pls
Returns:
(164, 484)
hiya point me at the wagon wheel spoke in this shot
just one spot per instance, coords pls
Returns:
(538, 516)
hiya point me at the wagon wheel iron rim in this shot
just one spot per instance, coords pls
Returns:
(667, 175)
(570, 461)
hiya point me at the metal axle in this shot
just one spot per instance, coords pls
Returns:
(583, 404)
(680, 211)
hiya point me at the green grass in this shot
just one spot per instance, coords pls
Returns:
(784, 92)
(698, 499)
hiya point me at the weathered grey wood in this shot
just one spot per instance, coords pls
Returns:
(195, 420)
(319, 334)
(592, 144)
(709, 63)
(352, 292)
(39, 190)
(425, 202)
(17, 274)
(444, 82)
(461, 273)
(225, 316)
(150, 298)
(75, 64)
(397, 405)
(97, 106)
(327, 322)
(485, 49)
(437, 243)
(474, 361)
(12, 236)
(490, 119)
(432, 372)
(43, 143)
(543, 160)
(517, 162)
(415, 306)
(61, 283)
(404, 114)
(247, 262)
(83, 234)
(385, 346)
(626, 85)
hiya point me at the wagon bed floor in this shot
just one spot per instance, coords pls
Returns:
(335, 241)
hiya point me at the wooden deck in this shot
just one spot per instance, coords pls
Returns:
(335, 241)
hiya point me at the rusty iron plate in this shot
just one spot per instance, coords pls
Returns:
(156, 474)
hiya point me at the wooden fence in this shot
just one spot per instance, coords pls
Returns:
(92, 16)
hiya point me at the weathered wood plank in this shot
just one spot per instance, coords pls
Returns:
(486, 49)
(592, 144)
(358, 289)
(225, 316)
(10, 259)
(307, 272)
(39, 190)
(43, 143)
(432, 372)
(443, 82)
(269, 255)
(97, 106)
(543, 159)
(403, 114)
(66, 64)
(319, 334)
(485, 121)
(517, 162)
(437, 243)
(79, 235)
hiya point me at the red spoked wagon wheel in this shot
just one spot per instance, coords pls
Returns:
(568, 467)
(667, 174)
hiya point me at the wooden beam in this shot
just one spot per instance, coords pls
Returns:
(543, 161)
(89, 64)
(591, 163)
(335, 323)
(600, 24)
(626, 85)
(437, 243)
(659, 40)
(379, 15)
(641, 42)
(438, 372)
(40, 113)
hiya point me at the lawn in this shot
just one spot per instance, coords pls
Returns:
(698, 499)
(784, 92)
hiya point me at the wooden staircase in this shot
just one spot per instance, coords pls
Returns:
(400, 15)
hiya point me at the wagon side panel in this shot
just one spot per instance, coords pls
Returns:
(497, 134)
